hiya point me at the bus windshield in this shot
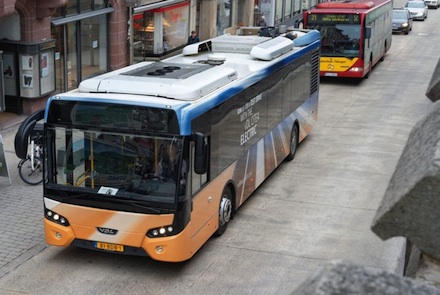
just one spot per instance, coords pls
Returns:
(338, 39)
(117, 165)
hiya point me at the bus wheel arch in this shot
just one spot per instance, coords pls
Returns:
(226, 209)
(294, 140)
(384, 51)
(370, 67)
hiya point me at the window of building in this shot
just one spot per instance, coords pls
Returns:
(278, 11)
(296, 6)
(93, 46)
(160, 31)
(66, 57)
(60, 79)
(81, 49)
(223, 15)
(288, 10)
(74, 7)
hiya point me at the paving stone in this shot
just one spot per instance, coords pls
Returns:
(21, 212)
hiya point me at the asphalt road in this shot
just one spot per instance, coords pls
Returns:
(313, 210)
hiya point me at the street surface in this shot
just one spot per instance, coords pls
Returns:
(313, 210)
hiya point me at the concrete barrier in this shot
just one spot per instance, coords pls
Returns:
(342, 278)
(433, 91)
(411, 205)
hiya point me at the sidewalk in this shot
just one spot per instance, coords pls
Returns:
(8, 120)
(21, 206)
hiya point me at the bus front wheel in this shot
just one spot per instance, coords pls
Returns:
(225, 211)
(293, 142)
(370, 68)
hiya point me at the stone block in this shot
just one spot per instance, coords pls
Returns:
(342, 278)
(429, 271)
(411, 204)
(433, 91)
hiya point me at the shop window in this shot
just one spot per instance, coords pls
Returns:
(93, 46)
(79, 6)
(72, 7)
(288, 10)
(88, 5)
(160, 31)
(71, 57)
(98, 4)
(223, 15)
(85, 5)
(278, 11)
(58, 35)
(175, 27)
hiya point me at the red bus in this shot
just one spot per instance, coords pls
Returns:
(355, 35)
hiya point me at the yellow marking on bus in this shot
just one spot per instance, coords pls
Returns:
(336, 64)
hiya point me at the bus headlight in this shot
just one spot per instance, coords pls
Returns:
(55, 217)
(161, 232)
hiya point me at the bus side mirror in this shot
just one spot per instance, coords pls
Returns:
(367, 32)
(200, 159)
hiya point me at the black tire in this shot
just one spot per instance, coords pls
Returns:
(384, 52)
(294, 138)
(225, 211)
(27, 175)
(370, 68)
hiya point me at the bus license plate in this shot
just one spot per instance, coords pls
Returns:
(331, 74)
(109, 247)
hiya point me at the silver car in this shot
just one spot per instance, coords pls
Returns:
(418, 9)
(433, 3)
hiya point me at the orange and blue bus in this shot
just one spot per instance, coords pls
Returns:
(219, 117)
(355, 35)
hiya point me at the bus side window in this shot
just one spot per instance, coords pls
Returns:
(367, 32)
(197, 180)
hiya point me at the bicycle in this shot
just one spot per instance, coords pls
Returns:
(30, 168)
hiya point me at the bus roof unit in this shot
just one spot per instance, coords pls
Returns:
(177, 81)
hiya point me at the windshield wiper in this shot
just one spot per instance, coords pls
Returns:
(137, 204)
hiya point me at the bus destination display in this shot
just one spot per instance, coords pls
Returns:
(341, 18)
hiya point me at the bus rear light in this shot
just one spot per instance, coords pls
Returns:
(356, 69)
(160, 232)
(55, 217)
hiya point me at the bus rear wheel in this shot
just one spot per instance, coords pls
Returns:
(225, 211)
(293, 142)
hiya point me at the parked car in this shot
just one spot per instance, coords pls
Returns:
(418, 9)
(402, 20)
(433, 3)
